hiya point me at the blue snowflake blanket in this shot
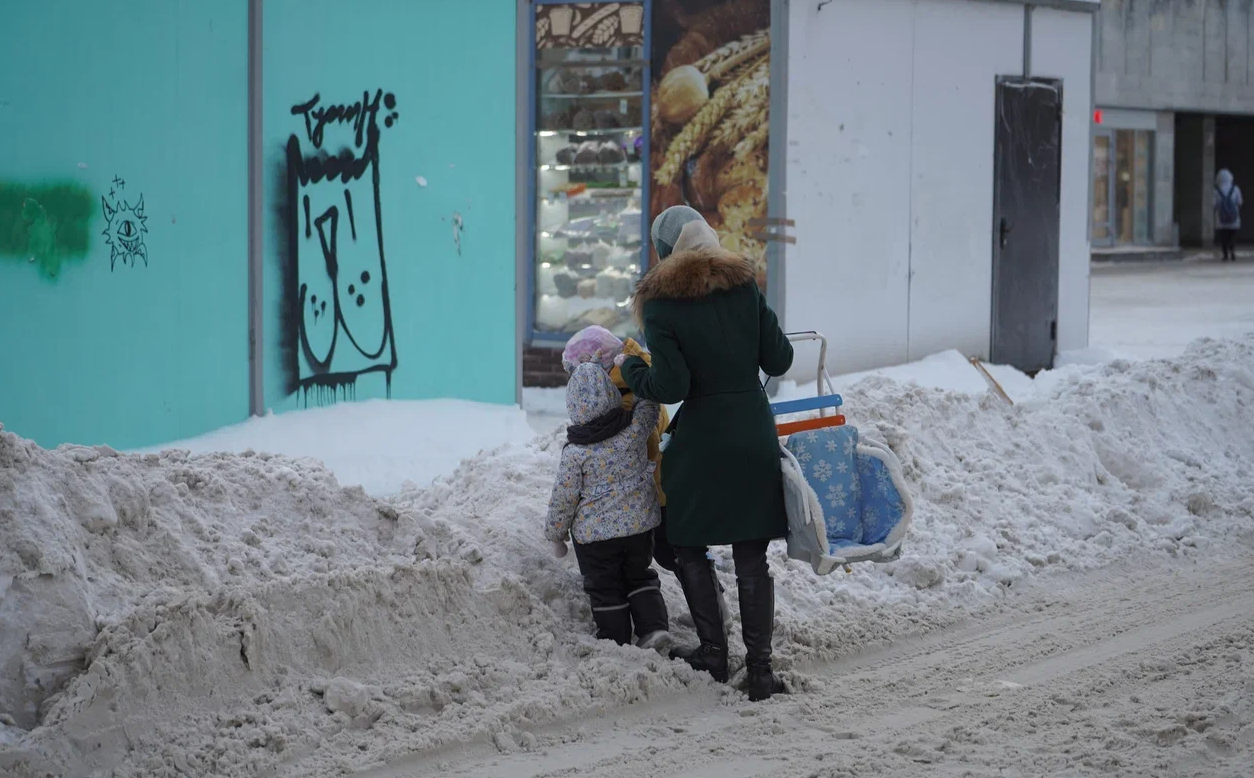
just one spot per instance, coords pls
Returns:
(846, 499)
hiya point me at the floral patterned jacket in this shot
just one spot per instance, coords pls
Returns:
(604, 490)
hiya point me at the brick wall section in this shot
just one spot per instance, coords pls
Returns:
(1177, 55)
(542, 367)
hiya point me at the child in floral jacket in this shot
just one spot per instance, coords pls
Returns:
(600, 346)
(597, 345)
(605, 499)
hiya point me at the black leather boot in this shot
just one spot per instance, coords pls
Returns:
(724, 611)
(757, 621)
(701, 591)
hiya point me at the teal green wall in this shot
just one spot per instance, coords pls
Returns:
(155, 93)
(451, 68)
(135, 347)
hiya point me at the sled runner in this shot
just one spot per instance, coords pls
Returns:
(846, 498)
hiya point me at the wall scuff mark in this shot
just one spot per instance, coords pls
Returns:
(334, 274)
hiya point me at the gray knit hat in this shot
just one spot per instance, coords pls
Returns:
(668, 225)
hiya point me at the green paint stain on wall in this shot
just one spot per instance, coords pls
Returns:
(45, 224)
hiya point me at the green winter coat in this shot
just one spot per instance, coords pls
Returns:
(709, 330)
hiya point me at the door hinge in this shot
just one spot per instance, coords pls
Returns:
(1053, 330)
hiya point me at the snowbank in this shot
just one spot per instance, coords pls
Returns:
(378, 444)
(236, 614)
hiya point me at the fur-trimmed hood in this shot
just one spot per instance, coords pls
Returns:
(689, 275)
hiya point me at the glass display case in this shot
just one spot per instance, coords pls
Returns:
(590, 150)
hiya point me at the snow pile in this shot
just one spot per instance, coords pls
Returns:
(86, 533)
(238, 614)
(213, 615)
(380, 445)
(1098, 463)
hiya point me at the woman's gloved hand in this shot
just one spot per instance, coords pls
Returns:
(559, 548)
(620, 359)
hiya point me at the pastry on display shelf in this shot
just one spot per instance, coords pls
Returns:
(566, 285)
(613, 81)
(607, 120)
(578, 260)
(601, 252)
(557, 120)
(564, 82)
(588, 154)
(611, 153)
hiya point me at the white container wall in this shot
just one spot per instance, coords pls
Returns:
(890, 173)
(1062, 47)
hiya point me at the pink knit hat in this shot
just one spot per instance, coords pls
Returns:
(591, 344)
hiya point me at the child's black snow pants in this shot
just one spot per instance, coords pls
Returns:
(622, 586)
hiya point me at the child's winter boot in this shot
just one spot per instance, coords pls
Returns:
(701, 591)
(648, 614)
(613, 623)
(757, 622)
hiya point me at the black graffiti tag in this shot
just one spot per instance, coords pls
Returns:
(337, 269)
(361, 114)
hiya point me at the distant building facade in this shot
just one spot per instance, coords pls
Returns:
(1174, 103)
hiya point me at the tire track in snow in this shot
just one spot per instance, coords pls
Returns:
(947, 696)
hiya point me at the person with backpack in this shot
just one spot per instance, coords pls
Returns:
(1228, 202)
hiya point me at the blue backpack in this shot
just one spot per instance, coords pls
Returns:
(1228, 211)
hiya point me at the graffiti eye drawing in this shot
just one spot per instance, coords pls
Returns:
(125, 227)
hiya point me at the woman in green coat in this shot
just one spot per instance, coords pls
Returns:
(709, 331)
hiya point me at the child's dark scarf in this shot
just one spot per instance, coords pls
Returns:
(601, 428)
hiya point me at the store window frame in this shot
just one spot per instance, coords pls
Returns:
(536, 337)
(1111, 134)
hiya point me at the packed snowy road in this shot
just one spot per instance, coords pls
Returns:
(1144, 668)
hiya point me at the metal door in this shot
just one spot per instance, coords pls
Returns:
(1027, 186)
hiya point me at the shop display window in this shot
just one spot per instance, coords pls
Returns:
(1123, 178)
(589, 151)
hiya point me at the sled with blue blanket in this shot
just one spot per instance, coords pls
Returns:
(846, 497)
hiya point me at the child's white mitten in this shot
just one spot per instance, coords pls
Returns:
(559, 548)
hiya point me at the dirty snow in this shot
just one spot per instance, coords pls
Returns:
(238, 614)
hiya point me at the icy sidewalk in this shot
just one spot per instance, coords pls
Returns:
(1149, 311)
(245, 614)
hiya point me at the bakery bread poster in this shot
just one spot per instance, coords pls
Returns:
(709, 128)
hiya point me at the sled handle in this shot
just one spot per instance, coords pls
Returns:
(823, 381)
(793, 427)
(807, 404)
